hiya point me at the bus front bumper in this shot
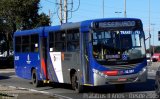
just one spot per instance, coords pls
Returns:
(121, 79)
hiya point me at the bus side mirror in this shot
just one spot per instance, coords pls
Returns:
(149, 37)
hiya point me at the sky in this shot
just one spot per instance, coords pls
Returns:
(93, 9)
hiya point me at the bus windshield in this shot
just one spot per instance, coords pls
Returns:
(118, 46)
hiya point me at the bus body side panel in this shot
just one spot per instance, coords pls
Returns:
(55, 67)
(70, 62)
(60, 64)
(51, 71)
(24, 62)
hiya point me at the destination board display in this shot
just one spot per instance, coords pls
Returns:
(115, 24)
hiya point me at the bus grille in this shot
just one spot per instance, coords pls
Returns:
(121, 67)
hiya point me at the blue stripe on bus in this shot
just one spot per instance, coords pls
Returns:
(90, 63)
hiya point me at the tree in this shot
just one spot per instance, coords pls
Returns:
(43, 20)
(20, 15)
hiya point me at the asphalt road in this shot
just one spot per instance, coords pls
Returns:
(139, 90)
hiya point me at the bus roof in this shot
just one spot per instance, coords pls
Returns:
(28, 32)
(63, 26)
(112, 19)
(86, 24)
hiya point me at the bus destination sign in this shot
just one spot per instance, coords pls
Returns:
(114, 24)
(117, 24)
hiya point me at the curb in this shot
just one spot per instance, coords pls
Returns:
(7, 70)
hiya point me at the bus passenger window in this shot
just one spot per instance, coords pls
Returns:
(34, 43)
(60, 46)
(25, 43)
(70, 46)
(52, 49)
(72, 39)
(18, 44)
(59, 43)
(36, 48)
(77, 46)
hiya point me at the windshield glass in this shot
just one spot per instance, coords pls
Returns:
(115, 46)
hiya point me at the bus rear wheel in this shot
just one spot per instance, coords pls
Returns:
(35, 81)
(75, 83)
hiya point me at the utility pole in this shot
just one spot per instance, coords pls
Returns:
(60, 10)
(65, 12)
(49, 16)
(103, 8)
(153, 46)
(149, 29)
(125, 13)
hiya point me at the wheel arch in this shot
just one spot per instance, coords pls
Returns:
(33, 68)
(72, 71)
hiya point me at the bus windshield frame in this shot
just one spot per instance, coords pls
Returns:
(114, 46)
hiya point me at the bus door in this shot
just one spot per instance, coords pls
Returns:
(56, 49)
(43, 57)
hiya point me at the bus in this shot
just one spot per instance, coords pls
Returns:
(108, 51)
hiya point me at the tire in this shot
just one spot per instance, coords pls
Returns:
(75, 83)
(157, 87)
(35, 81)
(120, 87)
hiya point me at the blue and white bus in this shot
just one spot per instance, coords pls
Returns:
(91, 53)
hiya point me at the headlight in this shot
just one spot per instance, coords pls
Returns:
(143, 70)
(99, 73)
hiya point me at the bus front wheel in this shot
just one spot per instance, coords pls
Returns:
(35, 81)
(76, 84)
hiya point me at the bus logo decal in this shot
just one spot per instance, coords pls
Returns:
(124, 57)
(16, 58)
(28, 59)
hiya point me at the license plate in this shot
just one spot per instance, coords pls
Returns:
(122, 79)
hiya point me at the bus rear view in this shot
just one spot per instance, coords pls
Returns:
(118, 52)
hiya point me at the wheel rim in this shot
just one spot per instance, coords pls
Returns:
(156, 87)
(34, 78)
(74, 82)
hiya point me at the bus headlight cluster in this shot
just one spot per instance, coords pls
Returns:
(99, 73)
(143, 70)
